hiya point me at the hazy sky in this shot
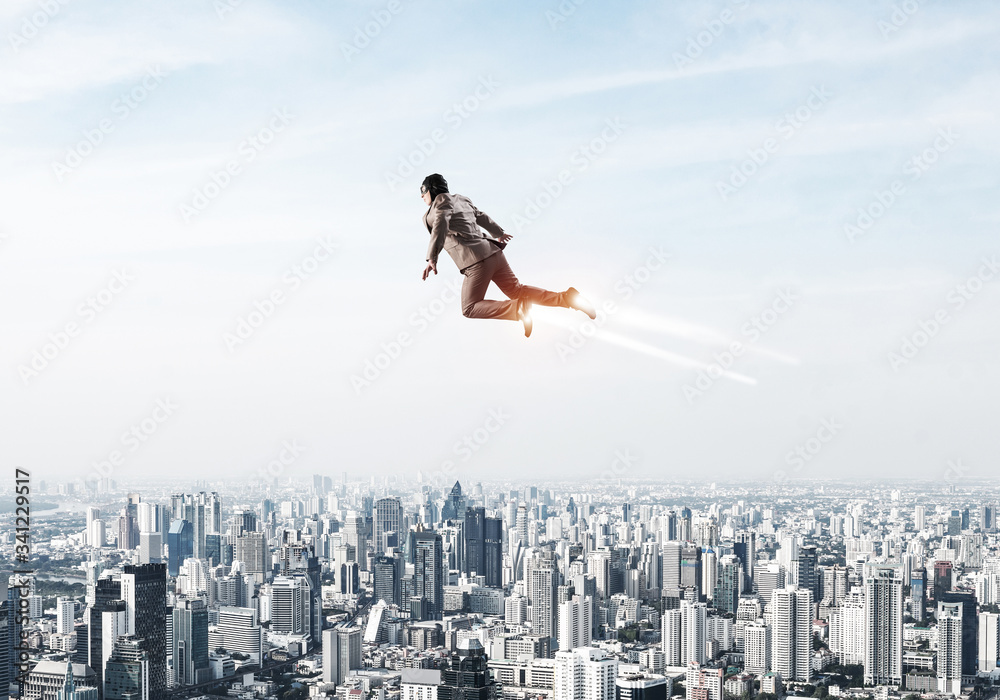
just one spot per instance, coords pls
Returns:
(812, 181)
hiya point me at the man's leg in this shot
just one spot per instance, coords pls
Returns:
(507, 281)
(477, 281)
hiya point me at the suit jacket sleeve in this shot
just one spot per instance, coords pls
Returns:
(487, 223)
(440, 216)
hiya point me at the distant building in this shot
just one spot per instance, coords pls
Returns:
(49, 678)
(642, 687)
(419, 684)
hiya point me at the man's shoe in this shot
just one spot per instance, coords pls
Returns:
(524, 314)
(579, 302)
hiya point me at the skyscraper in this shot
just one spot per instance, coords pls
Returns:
(127, 671)
(354, 535)
(989, 642)
(684, 632)
(190, 641)
(483, 546)
(757, 647)
(791, 639)
(691, 570)
(107, 619)
(584, 673)
(387, 524)
(745, 548)
(203, 511)
(454, 504)
(970, 627)
(949, 651)
(884, 625)
(543, 587)
(574, 623)
(729, 586)
(180, 545)
(428, 575)
(918, 594)
(144, 590)
(467, 677)
(341, 653)
(253, 552)
(671, 556)
(388, 578)
(290, 605)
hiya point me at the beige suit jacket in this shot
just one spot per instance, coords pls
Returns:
(453, 222)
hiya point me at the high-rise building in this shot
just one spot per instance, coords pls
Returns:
(745, 548)
(970, 627)
(190, 641)
(543, 585)
(884, 625)
(238, 631)
(918, 594)
(575, 624)
(988, 518)
(757, 647)
(684, 632)
(835, 585)
(144, 590)
(671, 557)
(388, 578)
(943, 571)
(127, 671)
(427, 602)
(703, 683)
(691, 570)
(454, 504)
(290, 605)
(253, 552)
(989, 642)
(729, 585)
(791, 640)
(805, 570)
(847, 630)
(769, 578)
(467, 676)
(643, 686)
(355, 536)
(521, 525)
(387, 524)
(203, 511)
(128, 530)
(949, 650)
(341, 653)
(107, 619)
(65, 615)
(180, 545)
(586, 672)
(484, 546)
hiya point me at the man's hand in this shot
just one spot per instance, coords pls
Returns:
(431, 267)
(504, 237)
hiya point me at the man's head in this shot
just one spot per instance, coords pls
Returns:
(432, 186)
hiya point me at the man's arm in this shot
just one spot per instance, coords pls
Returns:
(439, 230)
(487, 223)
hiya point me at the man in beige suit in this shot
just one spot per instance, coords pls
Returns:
(453, 222)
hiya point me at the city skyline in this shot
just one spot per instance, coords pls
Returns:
(812, 182)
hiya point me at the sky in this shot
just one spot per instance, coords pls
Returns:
(211, 239)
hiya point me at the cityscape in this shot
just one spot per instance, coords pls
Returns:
(560, 350)
(414, 588)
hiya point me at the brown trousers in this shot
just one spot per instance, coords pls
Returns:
(495, 269)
